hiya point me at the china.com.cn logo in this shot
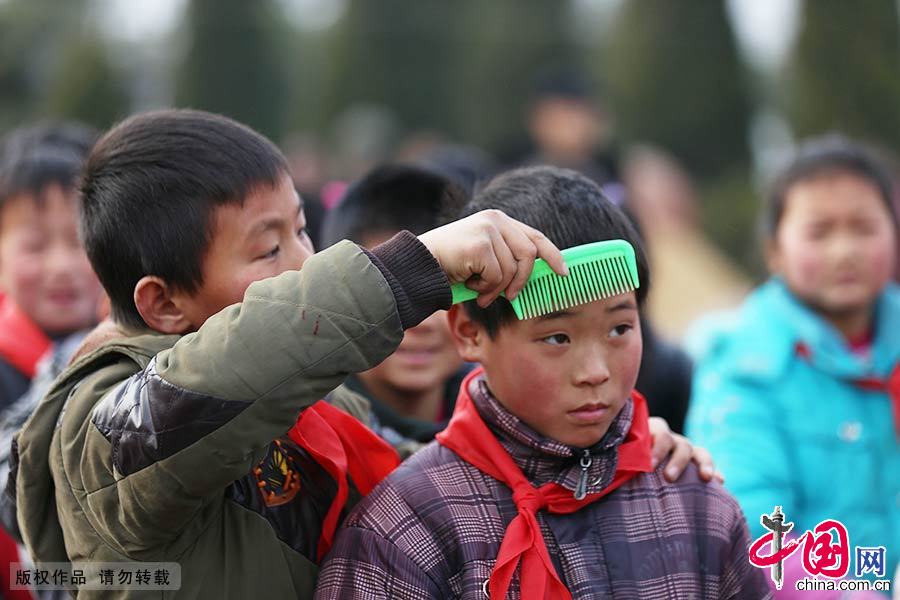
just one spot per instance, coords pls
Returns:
(825, 550)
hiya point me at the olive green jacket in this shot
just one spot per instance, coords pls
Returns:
(152, 447)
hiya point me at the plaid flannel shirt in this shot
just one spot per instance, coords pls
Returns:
(434, 527)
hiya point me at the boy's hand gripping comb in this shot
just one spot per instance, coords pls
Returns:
(596, 271)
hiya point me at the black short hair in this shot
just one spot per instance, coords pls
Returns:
(389, 199)
(562, 81)
(565, 206)
(37, 156)
(149, 190)
(823, 156)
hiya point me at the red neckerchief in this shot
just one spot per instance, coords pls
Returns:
(861, 343)
(9, 553)
(22, 343)
(889, 385)
(342, 446)
(469, 437)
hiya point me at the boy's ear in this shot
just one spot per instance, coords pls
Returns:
(468, 336)
(153, 299)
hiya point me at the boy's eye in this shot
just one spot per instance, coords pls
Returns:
(34, 244)
(865, 227)
(557, 339)
(817, 233)
(301, 232)
(620, 330)
(272, 253)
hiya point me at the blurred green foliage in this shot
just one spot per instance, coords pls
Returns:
(729, 214)
(845, 70)
(85, 86)
(463, 68)
(500, 46)
(53, 64)
(674, 79)
(234, 64)
(397, 54)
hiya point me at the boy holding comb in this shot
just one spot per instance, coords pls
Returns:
(154, 444)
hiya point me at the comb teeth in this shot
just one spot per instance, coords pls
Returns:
(588, 281)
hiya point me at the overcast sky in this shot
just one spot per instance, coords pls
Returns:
(764, 27)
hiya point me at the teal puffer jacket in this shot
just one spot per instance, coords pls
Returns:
(775, 403)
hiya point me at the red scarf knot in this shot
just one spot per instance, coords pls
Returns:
(529, 499)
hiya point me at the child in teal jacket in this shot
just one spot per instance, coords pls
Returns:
(798, 395)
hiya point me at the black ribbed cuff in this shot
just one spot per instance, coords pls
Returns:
(419, 285)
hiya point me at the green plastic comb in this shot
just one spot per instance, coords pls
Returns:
(596, 271)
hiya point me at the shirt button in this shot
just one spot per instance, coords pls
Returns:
(850, 431)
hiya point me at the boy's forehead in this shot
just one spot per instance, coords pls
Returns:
(826, 196)
(262, 208)
(29, 209)
(608, 308)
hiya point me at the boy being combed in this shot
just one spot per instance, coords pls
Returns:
(542, 484)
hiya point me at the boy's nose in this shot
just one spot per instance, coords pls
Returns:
(843, 248)
(591, 368)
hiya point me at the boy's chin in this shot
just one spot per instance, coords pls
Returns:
(56, 327)
(583, 439)
(845, 303)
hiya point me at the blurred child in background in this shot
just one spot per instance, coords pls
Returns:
(413, 391)
(49, 287)
(799, 396)
(52, 296)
